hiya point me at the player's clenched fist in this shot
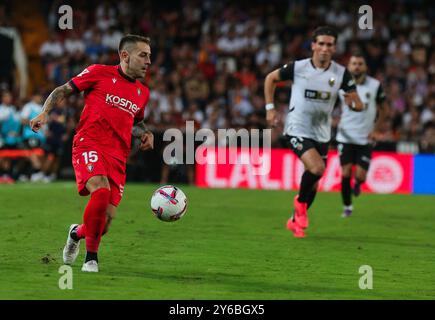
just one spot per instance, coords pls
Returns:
(37, 122)
(146, 141)
(272, 118)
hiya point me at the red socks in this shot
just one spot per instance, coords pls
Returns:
(81, 231)
(94, 219)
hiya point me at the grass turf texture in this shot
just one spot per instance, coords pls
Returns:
(232, 244)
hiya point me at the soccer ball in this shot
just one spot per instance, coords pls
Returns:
(169, 203)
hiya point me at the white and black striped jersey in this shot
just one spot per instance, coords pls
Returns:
(314, 92)
(355, 127)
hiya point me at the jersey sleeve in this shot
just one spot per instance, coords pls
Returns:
(380, 95)
(287, 72)
(348, 83)
(86, 79)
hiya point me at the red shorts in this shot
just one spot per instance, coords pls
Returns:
(89, 161)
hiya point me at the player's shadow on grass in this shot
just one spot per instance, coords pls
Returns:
(231, 284)
(374, 240)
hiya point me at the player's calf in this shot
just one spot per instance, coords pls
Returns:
(95, 221)
(107, 225)
(357, 187)
(346, 191)
(110, 213)
(360, 178)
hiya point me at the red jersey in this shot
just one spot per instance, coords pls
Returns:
(112, 101)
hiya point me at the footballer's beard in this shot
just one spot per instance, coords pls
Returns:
(358, 76)
(134, 72)
(140, 72)
(129, 71)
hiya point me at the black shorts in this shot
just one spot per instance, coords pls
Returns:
(53, 147)
(299, 145)
(32, 143)
(355, 154)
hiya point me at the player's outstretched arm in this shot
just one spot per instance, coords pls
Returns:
(269, 91)
(55, 96)
(146, 137)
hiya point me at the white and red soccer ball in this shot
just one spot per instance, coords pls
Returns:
(169, 203)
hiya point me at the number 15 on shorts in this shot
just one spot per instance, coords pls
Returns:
(90, 156)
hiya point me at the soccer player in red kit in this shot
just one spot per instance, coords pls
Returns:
(114, 111)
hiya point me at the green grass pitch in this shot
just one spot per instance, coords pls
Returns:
(232, 244)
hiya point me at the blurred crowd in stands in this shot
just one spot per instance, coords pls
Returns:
(210, 58)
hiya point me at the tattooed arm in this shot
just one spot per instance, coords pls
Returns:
(146, 137)
(55, 96)
(139, 128)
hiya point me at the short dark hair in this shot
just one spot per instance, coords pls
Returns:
(358, 54)
(325, 31)
(132, 39)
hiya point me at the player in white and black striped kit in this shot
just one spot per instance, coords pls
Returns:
(354, 129)
(315, 85)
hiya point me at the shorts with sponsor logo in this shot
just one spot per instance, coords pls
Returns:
(89, 161)
(355, 154)
(300, 144)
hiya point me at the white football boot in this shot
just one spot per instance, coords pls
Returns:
(90, 266)
(71, 249)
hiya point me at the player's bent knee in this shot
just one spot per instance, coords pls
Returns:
(97, 182)
(361, 174)
(318, 170)
(346, 170)
(362, 177)
(346, 173)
